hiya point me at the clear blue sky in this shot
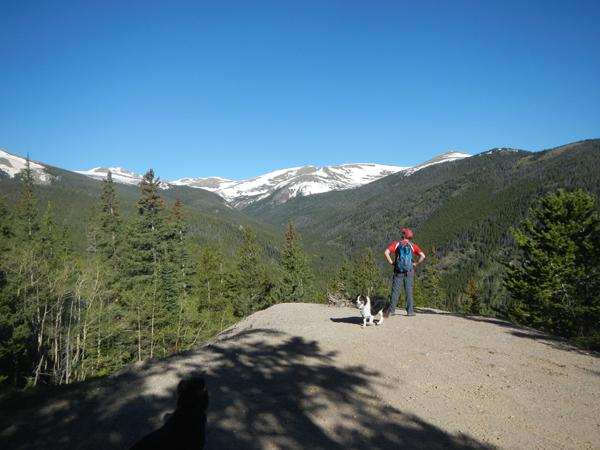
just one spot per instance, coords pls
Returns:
(241, 88)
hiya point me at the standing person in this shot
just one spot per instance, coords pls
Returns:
(403, 273)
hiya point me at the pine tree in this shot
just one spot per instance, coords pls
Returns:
(557, 286)
(359, 277)
(92, 232)
(110, 222)
(27, 211)
(375, 283)
(141, 263)
(214, 305)
(297, 284)
(434, 294)
(419, 299)
(178, 247)
(248, 284)
(146, 233)
(340, 285)
(8, 305)
(473, 298)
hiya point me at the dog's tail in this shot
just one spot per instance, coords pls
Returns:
(386, 310)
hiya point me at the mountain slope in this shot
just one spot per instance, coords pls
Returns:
(289, 183)
(281, 185)
(464, 209)
(72, 196)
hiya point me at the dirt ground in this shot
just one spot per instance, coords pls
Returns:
(299, 376)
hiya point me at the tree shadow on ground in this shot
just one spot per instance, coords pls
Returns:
(293, 395)
(268, 390)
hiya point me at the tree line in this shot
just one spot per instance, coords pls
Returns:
(140, 289)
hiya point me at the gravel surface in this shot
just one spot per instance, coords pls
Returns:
(300, 376)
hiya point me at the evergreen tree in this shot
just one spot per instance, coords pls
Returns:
(297, 284)
(92, 232)
(178, 247)
(366, 278)
(340, 285)
(144, 258)
(557, 286)
(419, 299)
(473, 298)
(433, 292)
(215, 307)
(375, 282)
(359, 277)
(27, 211)
(146, 233)
(110, 222)
(8, 305)
(248, 283)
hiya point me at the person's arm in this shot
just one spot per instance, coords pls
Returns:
(387, 255)
(420, 260)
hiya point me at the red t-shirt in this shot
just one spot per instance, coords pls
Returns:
(392, 248)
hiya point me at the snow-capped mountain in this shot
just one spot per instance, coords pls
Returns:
(13, 164)
(118, 175)
(444, 157)
(281, 184)
(289, 183)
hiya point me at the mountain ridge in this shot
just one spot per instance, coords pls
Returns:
(281, 185)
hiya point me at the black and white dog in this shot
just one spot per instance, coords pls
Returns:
(185, 429)
(369, 307)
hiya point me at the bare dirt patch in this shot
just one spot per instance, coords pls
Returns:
(299, 376)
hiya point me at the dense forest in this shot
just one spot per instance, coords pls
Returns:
(143, 284)
(95, 275)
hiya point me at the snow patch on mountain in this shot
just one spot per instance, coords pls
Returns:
(13, 164)
(118, 174)
(285, 183)
(288, 183)
(445, 157)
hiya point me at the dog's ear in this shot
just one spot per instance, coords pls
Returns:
(196, 384)
(181, 386)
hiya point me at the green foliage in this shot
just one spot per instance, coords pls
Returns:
(340, 286)
(433, 292)
(366, 277)
(95, 275)
(249, 287)
(297, 281)
(473, 298)
(463, 208)
(139, 288)
(557, 286)
(27, 213)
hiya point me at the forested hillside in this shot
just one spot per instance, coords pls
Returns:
(211, 219)
(96, 275)
(464, 209)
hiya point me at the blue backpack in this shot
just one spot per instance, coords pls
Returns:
(405, 257)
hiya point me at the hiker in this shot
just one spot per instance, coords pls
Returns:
(403, 269)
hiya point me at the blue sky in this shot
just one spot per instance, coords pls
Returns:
(241, 88)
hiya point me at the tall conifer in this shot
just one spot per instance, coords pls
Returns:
(110, 222)
(27, 211)
(248, 284)
(557, 286)
(297, 284)
(433, 293)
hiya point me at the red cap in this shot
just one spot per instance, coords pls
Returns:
(407, 233)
